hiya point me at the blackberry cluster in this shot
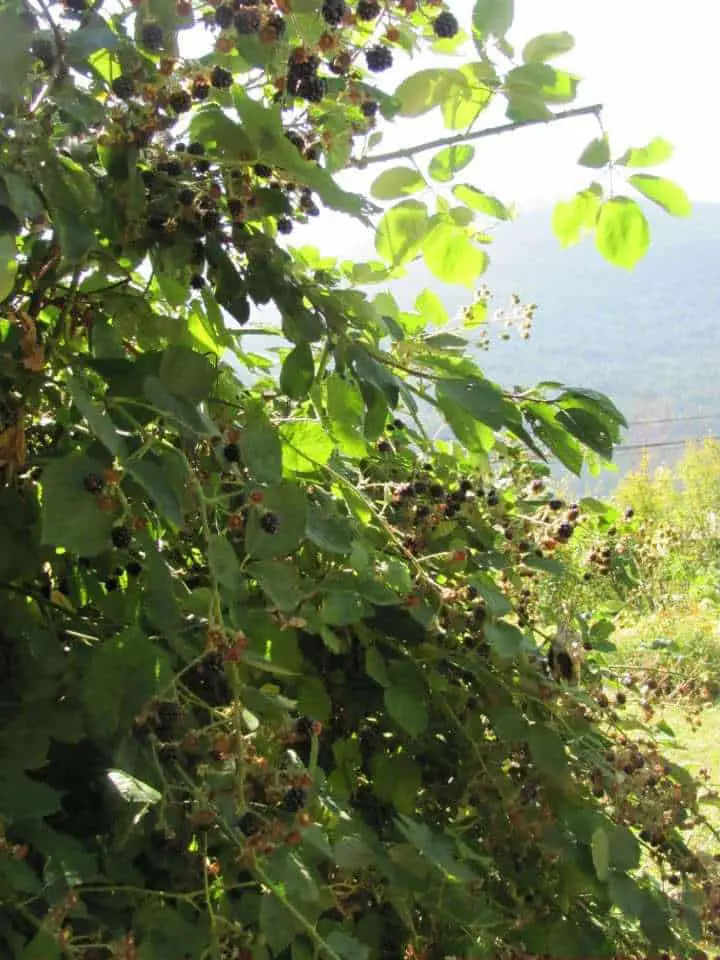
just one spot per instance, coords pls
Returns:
(247, 20)
(220, 78)
(121, 537)
(333, 12)
(303, 81)
(151, 37)
(224, 16)
(196, 149)
(270, 523)
(367, 10)
(123, 87)
(378, 58)
(445, 25)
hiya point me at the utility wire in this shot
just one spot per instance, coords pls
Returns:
(666, 443)
(703, 416)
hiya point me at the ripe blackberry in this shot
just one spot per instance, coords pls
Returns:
(231, 452)
(378, 58)
(151, 37)
(367, 9)
(384, 446)
(93, 483)
(492, 498)
(333, 12)
(270, 523)
(134, 568)
(437, 491)
(196, 149)
(295, 799)
(223, 16)
(556, 504)
(220, 78)
(369, 109)
(247, 21)
(180, 101)
(250, 823)
(420, 487)
(123, 87)
(422, 511)
(200, 89)
(284, 225)
(465, 486)
(235, 206)
(76, 6)
(445, 25)
(111, 584)
(312, 89)
(262, 170)
(202, 165)
(173, 168)
(121, 537)
(186, 196)
(197, 281)
(211, 220)
(304, 726)
(295, 139)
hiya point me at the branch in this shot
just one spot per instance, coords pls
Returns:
(592, 110)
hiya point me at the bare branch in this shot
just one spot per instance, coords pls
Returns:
(592, 110)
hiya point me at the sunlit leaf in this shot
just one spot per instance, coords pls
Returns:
(666, 194)
(547, 46)
(622, 233)
(398, 182)
(651, 155)
(401, 231)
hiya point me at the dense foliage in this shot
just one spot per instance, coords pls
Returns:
(272, 680)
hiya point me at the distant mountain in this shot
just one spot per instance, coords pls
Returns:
(648, 338)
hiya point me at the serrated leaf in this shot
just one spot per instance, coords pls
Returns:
(398, 182)
(405, 708)
(261, 448)
(343, 609)
(425, 90)
(666, 194)
(281, 582)
(547, 46)
(481, 202)
(651, 155)
(449, 161)
(429, 304)
(289, 505)
(8, 264)
(375, 666)
(547, 750)
(452, 256)
(402, 231)
(186, 373)
(493, 17)
(600, 847)
(223, 561)
(306, 446)
(505, 639)
(622, 233)
(596, 154)
(71, 517)
(298, 372)
(480, 398)
(571, 218)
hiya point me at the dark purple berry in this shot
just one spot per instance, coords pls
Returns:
(180, 101)
(445, 25)
(262, 170)
(304, 726)
(200, 89)
(123, 87)
(333, 12)
(121, 537)
(134, 569)
(378, 58)
(224, 16)
(231, 452)
(492, 498)
(196, 149)
(295, 799)
(369, 109)
(93, 483)
(220, 78)
(295, 139)
(151, 37)
(556, 504)
(247, 21)
(276, 24)
(197, 281)
(312, 89)
(270, 523)
(186, 196)
(284, 225)
(367, 10)
(111, 584)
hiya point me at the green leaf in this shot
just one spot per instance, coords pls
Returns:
(449, 161)
(342, 609)
(298, 372)
(164, 476)
(505, 639)
(71, 517)
(281, 581)
(547, 46)
(666, 194)
(600, 847)
(306, 446)
(23, 198)
(493, 18)
(97, 417)
(481, 202)
(289, 505)
(405, 708)
(655, 153)
(622, 233)
(588, 429)
(480, 398)
(452, 257)
(15, 58)
(540, 82)
(624, 849)
(571, 218)
(347, 947)
(548, 752)
(425, 90)
(626, 894)
(402, 231)
(398, 182)
(8, 264)
(375, 666)
(133, 790)
(43, 946)
(429, 304)
(329, 530)
(22, 798)
(187, 373)
(223, 561)
(596, 154)
(465, 102)
(261, 448)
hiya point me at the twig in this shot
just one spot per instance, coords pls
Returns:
(60, 68)
(592, 110)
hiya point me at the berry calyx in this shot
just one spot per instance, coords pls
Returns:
(445, 25)
(378, 58)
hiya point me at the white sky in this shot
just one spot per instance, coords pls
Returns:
(651, 63)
